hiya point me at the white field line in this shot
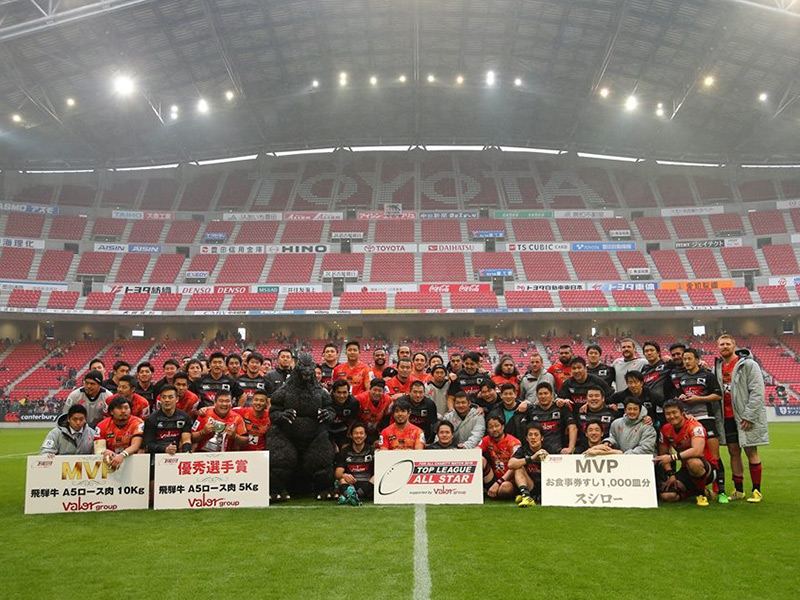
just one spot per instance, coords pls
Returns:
(422, 573)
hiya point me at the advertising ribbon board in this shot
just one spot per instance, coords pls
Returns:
(84, 483)
(428, 477)
(618, 481)
(211, 480)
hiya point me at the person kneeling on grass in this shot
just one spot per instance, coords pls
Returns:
(355, 467)
(684, 434)
(498, 447)
(630, 434)
(526, 467)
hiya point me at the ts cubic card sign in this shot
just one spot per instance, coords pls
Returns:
(621, 480)
(428, 477)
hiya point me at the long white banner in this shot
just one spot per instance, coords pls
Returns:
(618, 481)
(428, 477)
(21, 243)
(84, 483)
(211, 480)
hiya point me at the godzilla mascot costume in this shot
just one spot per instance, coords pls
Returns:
(298, 437)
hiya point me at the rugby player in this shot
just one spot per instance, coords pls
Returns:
(401, 435)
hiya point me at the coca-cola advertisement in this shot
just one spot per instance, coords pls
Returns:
(455, 288)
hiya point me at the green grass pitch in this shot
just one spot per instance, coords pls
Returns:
(309, 551)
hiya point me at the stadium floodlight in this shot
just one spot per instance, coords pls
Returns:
(402, 79)
(64, 171)
(490, 78)
(148, 167)
(604, 92)
(373, 80)
(220, 161)
(631, 103)
(629, 159)
(770, 166)
(315, 84)
(683, 163)
(379, 148)
(762, 97)
(70, 101)
(530, 150)
(431, 78)
(229, 95)
(342, 79)
(16, 118)
(439, 148)
(518, 82)
(460, 79)
(709, 80)
(304, 152)
(660, 109)
(124, 85)
(202, 106)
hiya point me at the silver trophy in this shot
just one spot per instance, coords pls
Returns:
(219, 435)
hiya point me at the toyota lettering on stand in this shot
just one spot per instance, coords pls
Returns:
(382, 248)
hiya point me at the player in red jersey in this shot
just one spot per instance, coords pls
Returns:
(684, 434)
(375, 406)
(379, 363)
(256, 420)
(419, 364)
(400, 384)
(506, 372)
(401, 435)
(498, 447)
(140, 407)
(357, 373)
(561, 371)
(204, 434)
(187, 400)
(121, 432)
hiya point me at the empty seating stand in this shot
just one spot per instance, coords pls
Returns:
(63, 300)
(773, 294)
(253, 301)
(582, 298)
(362, 301)
(19, 298)
(308, 301)
(134, 301)
(205, 302)
(532, 299)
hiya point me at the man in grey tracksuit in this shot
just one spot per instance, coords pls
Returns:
(629, 434)
(71, 435)
(469, 425)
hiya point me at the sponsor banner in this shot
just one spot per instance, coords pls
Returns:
(84, 483)
(692, 210)
(583, 214)
(29, 208)
(522, 214)
(548, 287)
(488, 234)
(784, 204)
(216, 236)
(256, 216)
(44, 286)
(313, 216)
(231, 290)
(196, 274)
(140, 289)
(428, 477)
(265, 289)
(393, 208)
(716, 243)
(211, 480)
(381, 287)
(448, 214)
(383, 248)
(619, 233)
(157, 216)
(344, 274)
(347, 235)
(598, 309)
(454, 247)
(21, 243)
(374, 215)
(619, 481)
(634, 271)
(602, 246)
(534, 247)
(138, 215)
(14, 417)
(303, 288)
(449, 288)
(145, 248)
(104, 247)
(614, 286)
(496, 272)
(265, 249)
(787, 411)
(784, 281)
(699, 284)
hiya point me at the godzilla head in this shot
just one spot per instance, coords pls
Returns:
(304, 367)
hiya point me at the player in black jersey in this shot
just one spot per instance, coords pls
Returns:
(558, 425)
(278, 376)
(488, 398)
(445, 438)
(636, 390)
(700, 393)
(596, 411)
(676, 351)
(233, 365)
(572, 393)
(170, 367)
(605, 372)
(119, 369)
(346, 411)
(168, 430)
(657, 373)
(330, 360)
(526, 466)
(355, 469)
(423, 410)
(144, 384)
(470, 377)
(215, 381)
(252, 380)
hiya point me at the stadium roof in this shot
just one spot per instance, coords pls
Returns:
(267, 53)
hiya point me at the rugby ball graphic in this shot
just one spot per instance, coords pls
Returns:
(396, 477)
